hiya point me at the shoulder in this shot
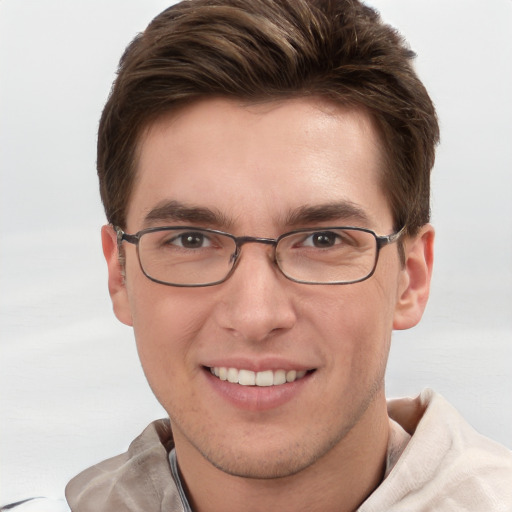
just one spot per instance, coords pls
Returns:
(147, 451)
(469, 467)
(446, 465)
(139, 479)
(37, 505)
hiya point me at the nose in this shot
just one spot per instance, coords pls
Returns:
(257, 299)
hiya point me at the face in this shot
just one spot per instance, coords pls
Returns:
(254, 170)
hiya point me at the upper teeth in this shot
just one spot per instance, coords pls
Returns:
(250, 378)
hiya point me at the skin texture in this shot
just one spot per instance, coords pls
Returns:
(252, 166)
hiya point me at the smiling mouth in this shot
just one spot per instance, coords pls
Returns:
(263, 379)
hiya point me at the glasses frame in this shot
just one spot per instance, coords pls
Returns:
(381, 241)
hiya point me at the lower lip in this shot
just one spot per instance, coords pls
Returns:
(257, 398)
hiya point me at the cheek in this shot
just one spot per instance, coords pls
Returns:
(165, 331)
(354, 324)
(166, 322)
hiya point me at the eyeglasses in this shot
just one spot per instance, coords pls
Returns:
(188, 256)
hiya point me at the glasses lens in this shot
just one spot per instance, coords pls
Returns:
(327, 256)
(186, 257)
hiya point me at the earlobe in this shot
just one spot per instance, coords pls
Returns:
(116, 284)
(416, 275)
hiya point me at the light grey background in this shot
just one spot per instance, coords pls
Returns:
(72, 391)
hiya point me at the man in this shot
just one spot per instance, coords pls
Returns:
(264, 168)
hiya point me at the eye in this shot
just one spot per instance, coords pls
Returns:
(322, 239)
(191, 240)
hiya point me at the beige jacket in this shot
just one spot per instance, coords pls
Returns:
(445, 466)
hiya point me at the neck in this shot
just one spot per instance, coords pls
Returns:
(339, 481)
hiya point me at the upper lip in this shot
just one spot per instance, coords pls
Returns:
(258, 365)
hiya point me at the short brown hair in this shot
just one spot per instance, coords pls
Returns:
(272, 49)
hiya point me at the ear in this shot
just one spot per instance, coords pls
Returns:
(116, 283)
(415, 280)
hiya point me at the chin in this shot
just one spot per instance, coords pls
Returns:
(273, 456)
(265, 467)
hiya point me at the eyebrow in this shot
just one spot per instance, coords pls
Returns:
(335, 211)
(175, 211)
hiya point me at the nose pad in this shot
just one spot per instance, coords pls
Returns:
(233, 259)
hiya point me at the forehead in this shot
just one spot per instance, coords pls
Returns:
(258, 163)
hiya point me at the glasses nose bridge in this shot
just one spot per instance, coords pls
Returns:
(242, 240)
